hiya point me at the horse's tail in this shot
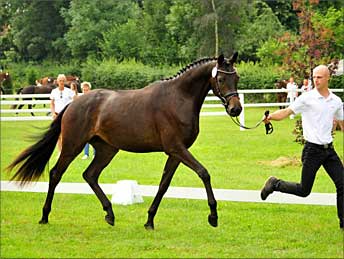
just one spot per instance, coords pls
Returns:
(34, 159)
(18, 92)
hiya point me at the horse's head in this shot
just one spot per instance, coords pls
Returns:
(224, 84)
(280, 84)
(4, 76)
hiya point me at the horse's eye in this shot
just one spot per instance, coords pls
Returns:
(221, 80)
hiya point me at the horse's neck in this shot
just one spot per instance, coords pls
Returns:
(195, 83)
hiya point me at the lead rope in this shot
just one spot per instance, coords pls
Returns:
(268, 126)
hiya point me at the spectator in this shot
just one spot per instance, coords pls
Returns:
(306, 86)
(86, 87)
(292, 93)
(74, 88)
(60, 97)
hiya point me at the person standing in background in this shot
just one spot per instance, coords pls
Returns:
(86, 88)
(306, 86)
(292, 93)
(74, 88)
(60, 97)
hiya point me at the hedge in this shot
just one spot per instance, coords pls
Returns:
(130, 74)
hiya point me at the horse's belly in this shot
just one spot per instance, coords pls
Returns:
(135, 137)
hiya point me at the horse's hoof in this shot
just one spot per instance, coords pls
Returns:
(149, 226)
(212, 220)
(110, 220)
(43, 221)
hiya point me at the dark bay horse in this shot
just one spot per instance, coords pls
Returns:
(281, 97)
(162, 117)
(33, 89)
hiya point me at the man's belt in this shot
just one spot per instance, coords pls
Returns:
(324, 146)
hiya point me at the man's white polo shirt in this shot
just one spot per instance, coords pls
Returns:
(317, 114)
(61, 98)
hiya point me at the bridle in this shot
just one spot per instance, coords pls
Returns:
(223, 97)
(217, 91)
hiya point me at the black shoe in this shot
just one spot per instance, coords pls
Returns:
(268, 187)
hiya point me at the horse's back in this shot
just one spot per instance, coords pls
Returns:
(124, 119)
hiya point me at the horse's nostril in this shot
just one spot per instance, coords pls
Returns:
(235, 111)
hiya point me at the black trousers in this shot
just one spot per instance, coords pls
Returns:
(314, 156)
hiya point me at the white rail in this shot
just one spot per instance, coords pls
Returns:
(210, 98)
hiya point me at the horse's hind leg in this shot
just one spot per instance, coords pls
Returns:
(55, 176)
(170, 167)
(104, 154)
(19, 107)
(30, 107)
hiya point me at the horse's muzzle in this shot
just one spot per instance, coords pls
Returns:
(234, 111)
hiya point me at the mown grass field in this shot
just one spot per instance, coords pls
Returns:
(235, 160)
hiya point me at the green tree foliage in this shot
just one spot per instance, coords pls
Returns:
(89, 20)
(34, 26)
(169, 32)
(180, 27)
(260, 26)
(283, 9)
(312, 46)
(333, 20)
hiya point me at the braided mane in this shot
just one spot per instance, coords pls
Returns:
(189, 67)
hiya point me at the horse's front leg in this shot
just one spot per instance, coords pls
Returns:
(170, 167)
(187, 158)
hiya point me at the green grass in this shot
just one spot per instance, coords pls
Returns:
(77, 230)
(235, 160)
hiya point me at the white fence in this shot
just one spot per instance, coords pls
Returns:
(8, 100)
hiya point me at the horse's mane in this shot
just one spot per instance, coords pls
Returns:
(190, 66)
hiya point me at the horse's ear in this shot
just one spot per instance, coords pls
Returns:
(220, 59)
(234, 57)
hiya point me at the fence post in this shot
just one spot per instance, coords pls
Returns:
(242, 114)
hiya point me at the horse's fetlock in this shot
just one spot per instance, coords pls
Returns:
(107, 206)
(212, 205)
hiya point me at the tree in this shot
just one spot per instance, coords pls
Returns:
(312, 46)
(260, 26)
(333, 19)
(124, 41)
(283, 9)
(34, 26)
(89, 20)
(181, 29)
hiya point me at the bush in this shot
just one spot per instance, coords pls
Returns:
(255, 76)
(24, 74)
(337, 82)
(110, 74)
(31, 76)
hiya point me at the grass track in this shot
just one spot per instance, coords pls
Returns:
(235, 160)
(77, 230)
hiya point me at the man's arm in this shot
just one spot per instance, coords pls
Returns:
(280, 114)
(52, 108)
